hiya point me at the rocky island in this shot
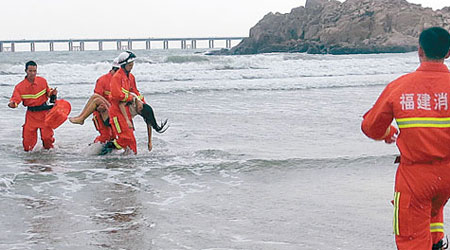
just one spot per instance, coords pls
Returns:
(350, 27)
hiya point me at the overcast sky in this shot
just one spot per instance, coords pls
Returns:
(64, 19)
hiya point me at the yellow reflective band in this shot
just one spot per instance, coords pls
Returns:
(126, 92)
(424, 122)
(36, 96)
(116, 123)
(141, 97)
(396, 208)
(107, 92)
(116, 144)
(437, 227)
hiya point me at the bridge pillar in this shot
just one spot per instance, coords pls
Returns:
(1, 47)
(166, 44)
(100, 45)
(130, 45)
(32, 47)
(194, 44)
(81, 46)
(70, 46)
(211, 44)
(228, 44)
(119, 45)
(13, 47)
(183, 44)
(147, 45)
(51, 46)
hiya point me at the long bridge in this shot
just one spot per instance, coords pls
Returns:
(119, 44)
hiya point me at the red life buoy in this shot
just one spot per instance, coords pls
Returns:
(58, 114)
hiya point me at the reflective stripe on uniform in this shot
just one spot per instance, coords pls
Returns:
(126, 92)
(36, 96)
(424, 122)
(396, 208)
(437, 227)
(107, 92)
(117, 144)
(116, 123)
(141, 97)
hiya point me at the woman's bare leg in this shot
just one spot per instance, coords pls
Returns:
(124, 114)
(94, 101)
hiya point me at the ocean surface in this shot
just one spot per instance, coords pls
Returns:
(263, 152)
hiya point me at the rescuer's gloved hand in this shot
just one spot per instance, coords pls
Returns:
(53, 93)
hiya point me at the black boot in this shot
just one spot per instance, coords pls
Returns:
(107, 148)
(440, 245)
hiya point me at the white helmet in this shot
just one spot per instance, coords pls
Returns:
(115, 63)
(126, 57)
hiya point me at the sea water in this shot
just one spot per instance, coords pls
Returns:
(263, 152)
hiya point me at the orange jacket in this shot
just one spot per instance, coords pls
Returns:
(31, 94)
(134, 88)
(121, 86)
(419, 102)
(103, 86)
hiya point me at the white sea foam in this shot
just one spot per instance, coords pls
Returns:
(257, 145)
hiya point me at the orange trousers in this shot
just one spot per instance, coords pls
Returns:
(421, 192)
(33, 122)
(106, 132)
(123, 134)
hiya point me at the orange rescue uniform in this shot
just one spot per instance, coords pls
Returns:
(419, 103)
(33, 95)
(121, 88)
(103, 88)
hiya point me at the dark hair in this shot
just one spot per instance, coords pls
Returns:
(435, 42)
(30, 63)
(149, 118)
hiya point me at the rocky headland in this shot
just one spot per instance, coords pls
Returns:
(350, 27)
